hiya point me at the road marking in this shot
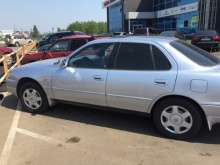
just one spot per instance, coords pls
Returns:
(11, 136)
(10, 139)
(38, 136)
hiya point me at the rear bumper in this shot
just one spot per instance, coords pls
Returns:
(212, 113)
(210, 44)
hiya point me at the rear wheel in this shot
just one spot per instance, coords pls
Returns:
(9, 60)
(33, 98)
(177, 118)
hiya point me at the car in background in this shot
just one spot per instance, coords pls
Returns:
(147, 31)
(53, 37)
(175, 34)
(60, 48)
(16, 40)
(206, 39)
(126, 74)
(189, 33)
(4, 51)
(42, 48)
(118, 34)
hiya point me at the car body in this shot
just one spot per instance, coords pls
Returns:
(49, 39)
(60, 48)
(175, 34)
(206, 39)
(17, 40)
(127, 74)
(147, 31)
(4, 51)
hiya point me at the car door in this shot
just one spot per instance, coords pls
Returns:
(58, 49)
(141, 73)
(84, 78)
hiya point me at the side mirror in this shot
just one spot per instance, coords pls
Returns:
(63, 63)
(45, 51)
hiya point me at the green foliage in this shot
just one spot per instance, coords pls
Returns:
(60, 30)
(89, 27)
(35, 32)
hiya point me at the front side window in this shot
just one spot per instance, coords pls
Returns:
(60, 46)
(93, 56)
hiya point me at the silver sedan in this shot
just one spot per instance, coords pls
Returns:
(175, 83)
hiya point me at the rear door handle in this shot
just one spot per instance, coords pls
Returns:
(98, 78)
(161, 82)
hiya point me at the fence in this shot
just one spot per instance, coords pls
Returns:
(23, 50)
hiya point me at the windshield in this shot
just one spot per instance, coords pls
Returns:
(196, 54)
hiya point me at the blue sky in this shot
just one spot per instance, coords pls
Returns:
(48, 14)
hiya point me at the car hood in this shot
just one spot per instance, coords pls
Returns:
(43, 63)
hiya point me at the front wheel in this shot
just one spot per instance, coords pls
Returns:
(33, 98)
(177, 118)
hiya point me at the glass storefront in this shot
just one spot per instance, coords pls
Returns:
(115, 18)
(185, 22)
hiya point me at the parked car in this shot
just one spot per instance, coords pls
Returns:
(53, 37)
(118, 34)
(60, 48)
(148, 31)
(175, 34)
(206, 39)
(44, 47)
(127, 74)
(4, 51)
(16, 40)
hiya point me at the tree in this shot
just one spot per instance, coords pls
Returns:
(89, 27)
(60, 30)
(35, 32)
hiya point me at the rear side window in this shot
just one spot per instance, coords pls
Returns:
(195, 54)
(136, 56)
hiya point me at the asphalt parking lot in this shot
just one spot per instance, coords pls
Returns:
(69, 134)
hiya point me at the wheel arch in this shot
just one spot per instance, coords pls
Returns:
(178, 97)
(25, 80)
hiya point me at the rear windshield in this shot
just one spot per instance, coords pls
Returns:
(195, 54)
(8, 36)
(169, 34)
(207, 32)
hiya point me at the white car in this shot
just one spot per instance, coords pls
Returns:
(16, 40)
(175, 83)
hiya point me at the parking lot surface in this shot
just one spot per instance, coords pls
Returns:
(68, 134)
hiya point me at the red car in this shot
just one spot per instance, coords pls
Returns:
(5, 50)
(60, 48)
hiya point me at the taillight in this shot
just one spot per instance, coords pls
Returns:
(196, 38)
(215, 38)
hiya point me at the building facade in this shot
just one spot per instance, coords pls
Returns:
(184, 15)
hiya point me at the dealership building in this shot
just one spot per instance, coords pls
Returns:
(185, 15)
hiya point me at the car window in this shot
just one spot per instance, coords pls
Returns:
(134, 56)
(59, 46)
(53, 38)
(140, 31)
(206, 32)
(160, 60)
(93, 56)
(195, 54)
(75, 44)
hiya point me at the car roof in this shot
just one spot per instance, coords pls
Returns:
(136, 39)
(75, 37)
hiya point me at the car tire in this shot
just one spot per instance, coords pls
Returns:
(17, 44)
(177, 118)
(33, 98)
(9, 60)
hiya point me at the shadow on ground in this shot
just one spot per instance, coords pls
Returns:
(115, 120)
